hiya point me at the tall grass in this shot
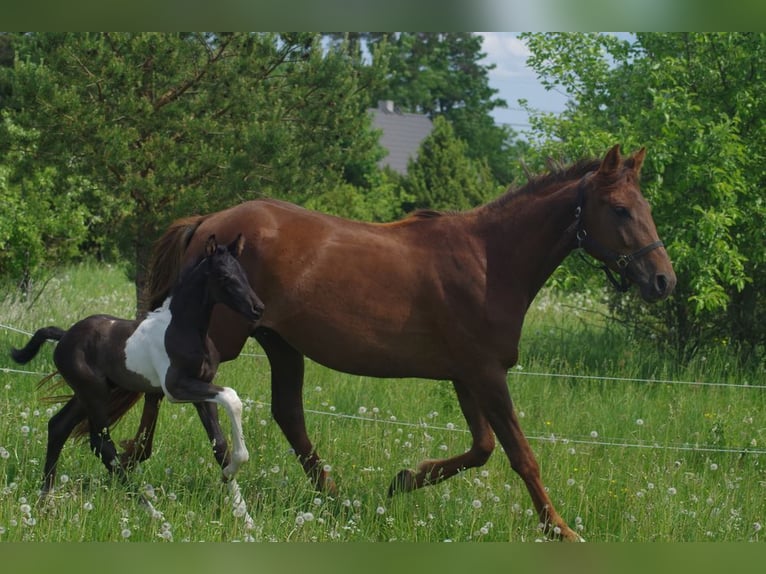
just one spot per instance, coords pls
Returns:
(624, 460)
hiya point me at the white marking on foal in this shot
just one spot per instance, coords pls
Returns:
(145, 352)
(230, 401)
(239, 506)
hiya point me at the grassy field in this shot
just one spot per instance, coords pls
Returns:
(664, 457)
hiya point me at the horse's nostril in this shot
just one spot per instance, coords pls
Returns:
(662, 283)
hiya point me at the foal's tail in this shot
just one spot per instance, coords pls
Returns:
(165, 262)
(23, 356)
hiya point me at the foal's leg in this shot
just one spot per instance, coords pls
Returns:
(495, 401)
(208, 414)
(180, 388)
(432, 471)
(139, 448)
(287, 405)
(60, 427)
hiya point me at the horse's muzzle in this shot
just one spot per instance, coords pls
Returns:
(659, 287)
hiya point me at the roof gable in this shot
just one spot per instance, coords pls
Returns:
(402, 134)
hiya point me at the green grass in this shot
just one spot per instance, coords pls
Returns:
(623, 460)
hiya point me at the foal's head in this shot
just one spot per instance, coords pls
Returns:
(227, 282)
(616, 226)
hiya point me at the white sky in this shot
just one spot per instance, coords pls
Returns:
(514, 80)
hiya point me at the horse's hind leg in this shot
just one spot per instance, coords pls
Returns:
(60, 426)
(432, 471)
(495, 401)
(287, 404)
(139, 448)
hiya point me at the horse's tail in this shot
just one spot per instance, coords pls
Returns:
(120, 402)
(165, 262)
(23, 356)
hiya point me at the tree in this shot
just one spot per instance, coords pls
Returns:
(697, 102)
(441, 74)
(443, 176)
(165, 125)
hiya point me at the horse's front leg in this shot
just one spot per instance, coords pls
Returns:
(139, 448)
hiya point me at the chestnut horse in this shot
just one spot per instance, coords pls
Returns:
(436, 296)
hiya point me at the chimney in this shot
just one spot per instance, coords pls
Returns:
(386, 106)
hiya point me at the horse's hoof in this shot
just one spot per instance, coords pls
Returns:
(328, 487)
(566, 534)
(403, 482)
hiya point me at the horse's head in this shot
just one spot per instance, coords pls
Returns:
(227, 281)
(615, 226)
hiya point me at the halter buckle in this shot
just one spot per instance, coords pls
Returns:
(622, 261)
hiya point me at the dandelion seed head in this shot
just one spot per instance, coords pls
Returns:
(593, 434)
(380, 510)
(126, 533)
(713, 466)
(476, 503)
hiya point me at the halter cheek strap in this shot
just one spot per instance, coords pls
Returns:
(621, 261)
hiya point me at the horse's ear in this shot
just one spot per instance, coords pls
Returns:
(636, 160)
(210, 246)
(236, 246)
(611, 161)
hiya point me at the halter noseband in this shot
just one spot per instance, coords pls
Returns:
(622, 261)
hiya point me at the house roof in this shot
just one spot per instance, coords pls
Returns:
(402, 134)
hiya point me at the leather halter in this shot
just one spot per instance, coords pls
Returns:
(621, 261)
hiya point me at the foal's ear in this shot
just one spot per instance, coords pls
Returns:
(210, 246)
(236, 246)
(611, 161)
(636, 160)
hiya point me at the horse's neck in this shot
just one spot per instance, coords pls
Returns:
(528, 238)
(191, 307)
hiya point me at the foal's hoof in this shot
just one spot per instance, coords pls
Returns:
(403, 482)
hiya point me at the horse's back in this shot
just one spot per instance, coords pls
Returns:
(374, 291)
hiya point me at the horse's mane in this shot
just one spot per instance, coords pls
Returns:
(165, 261)
(546, 182)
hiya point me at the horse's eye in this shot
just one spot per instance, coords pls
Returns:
(621, 211)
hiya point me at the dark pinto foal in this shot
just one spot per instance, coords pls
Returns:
(109, 362)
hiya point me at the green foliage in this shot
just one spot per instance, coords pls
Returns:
(38, 223)
(443, 176)
(696, 101)
(440, 74)
(165, 125)
(381, 200)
